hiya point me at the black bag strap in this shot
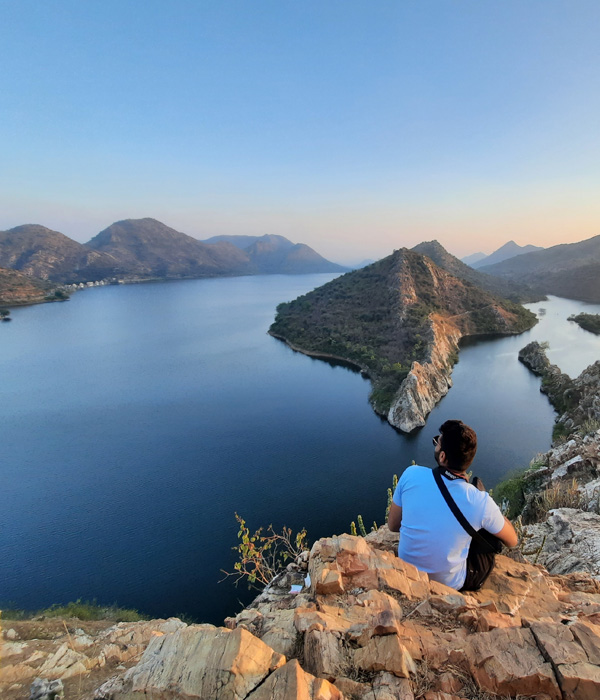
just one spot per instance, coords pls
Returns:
(454, 508)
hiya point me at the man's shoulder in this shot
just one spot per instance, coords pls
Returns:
(415, 472)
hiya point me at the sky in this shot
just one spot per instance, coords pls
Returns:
(354, 126)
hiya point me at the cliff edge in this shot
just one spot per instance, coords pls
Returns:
(364, 626)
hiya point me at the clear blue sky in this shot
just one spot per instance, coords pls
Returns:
(355, 127)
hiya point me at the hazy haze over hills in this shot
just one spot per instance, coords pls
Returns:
(571, 270)
(508, 250)
(276, 254)
(470, 259)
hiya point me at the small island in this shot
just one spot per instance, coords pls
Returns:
(589, 322)
(398, 320)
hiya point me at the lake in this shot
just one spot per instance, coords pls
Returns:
(137, 420)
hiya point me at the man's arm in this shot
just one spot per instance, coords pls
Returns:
(508, 533)
(395, 518)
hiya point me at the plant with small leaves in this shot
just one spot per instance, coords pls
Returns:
(390, 495)
(264, 553)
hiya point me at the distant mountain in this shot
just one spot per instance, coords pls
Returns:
(244, 242)
(571, 270)
(361, 264)
(149, 248)
(271, 254)
(508, 250)
(509, 290)
(38, 251)
(475, 257)
(399, 320)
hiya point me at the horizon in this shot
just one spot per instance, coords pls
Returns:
(338, 261)
(355, 129)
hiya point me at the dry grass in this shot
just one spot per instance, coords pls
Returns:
(564, 494)
(425, 681)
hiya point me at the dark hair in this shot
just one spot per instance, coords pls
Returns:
(459, 442)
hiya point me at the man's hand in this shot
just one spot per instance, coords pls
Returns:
(395, 518)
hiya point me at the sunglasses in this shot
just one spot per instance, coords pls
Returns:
(436, 440)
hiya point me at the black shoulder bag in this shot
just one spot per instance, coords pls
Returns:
(484, 545)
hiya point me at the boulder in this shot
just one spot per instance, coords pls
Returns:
(385, 654)
(572, 541)
(200, 661)
(325, 655)
(292, 683)
(508, 662)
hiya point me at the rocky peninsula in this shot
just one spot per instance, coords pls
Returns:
(400, 321)
(18, 289)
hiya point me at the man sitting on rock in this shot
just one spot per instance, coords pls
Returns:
(431, 537)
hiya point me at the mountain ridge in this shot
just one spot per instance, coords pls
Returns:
(513, 291)
(135, 249)
(567, 269)
(505, 252)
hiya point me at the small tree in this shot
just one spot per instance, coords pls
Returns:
(262, 556)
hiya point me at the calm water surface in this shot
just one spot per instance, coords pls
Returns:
(137, 420)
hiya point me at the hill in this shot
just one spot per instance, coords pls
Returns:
(149, 248)
(399, 320)
(504, 288)
(17, 289)
(272, 254)
(39, 252)
(473, 258)
(571, 270)
(505, 252)
(243, 242)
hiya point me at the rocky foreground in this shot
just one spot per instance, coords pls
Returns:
(366, 625)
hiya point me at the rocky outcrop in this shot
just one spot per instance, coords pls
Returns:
(568, 541)
(575, 400)
(369, 626)
(428, 381)
(561, 513)
(75, 654)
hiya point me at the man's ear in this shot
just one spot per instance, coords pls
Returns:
(442, 458)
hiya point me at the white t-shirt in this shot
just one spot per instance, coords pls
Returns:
(431, 537)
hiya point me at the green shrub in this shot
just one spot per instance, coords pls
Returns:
(85, 610)
(560, 432)
(82, 610)
(510, 494)
(589, 322)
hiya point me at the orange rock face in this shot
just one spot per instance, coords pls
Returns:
(397, 635)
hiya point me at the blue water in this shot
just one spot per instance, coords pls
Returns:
(137, 420)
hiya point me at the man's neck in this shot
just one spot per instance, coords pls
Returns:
(452, 475)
